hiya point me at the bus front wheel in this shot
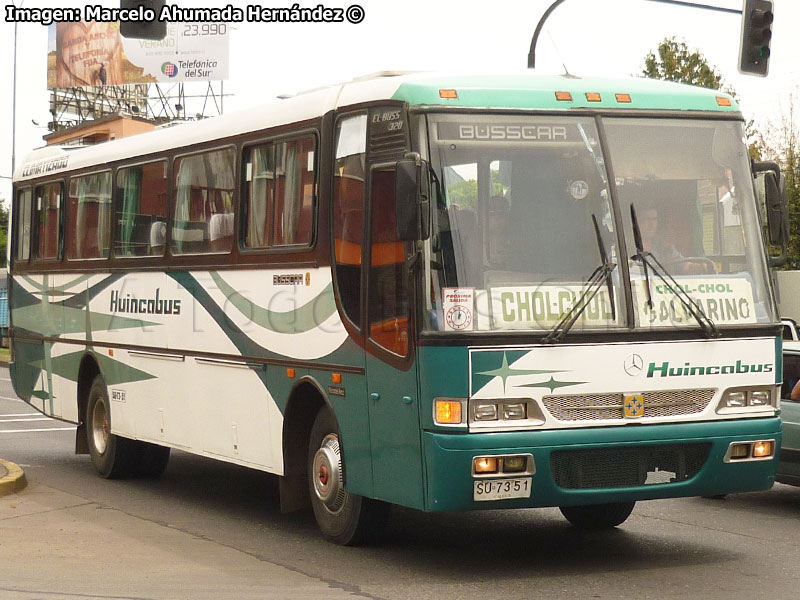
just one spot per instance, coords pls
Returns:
(112, 456)
(344, 518)
(598, 516)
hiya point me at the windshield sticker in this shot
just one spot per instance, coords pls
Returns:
(543, 306)
(726, 301)
(458, 309)
(579, 189)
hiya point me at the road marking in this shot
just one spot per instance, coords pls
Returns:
(4, 379)
(12, 399)
(2, 431)
(29, 414)
(2, 420)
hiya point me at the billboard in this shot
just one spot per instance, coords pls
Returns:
(93, 53)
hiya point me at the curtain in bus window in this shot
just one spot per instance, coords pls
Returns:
(261, 178)
(131, 189)
(295, 192)
(48, 208)
(204, 203)
(24, 225)
(89, 213)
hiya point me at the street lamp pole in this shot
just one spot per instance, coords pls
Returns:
(14, 104)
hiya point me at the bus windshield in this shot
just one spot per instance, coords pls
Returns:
(528, 213)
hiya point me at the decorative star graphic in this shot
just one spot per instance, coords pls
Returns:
(553, 385)
(505, 371)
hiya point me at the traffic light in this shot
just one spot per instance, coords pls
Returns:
(143, 30)
(756, 34)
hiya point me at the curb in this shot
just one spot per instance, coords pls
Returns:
(14, 481)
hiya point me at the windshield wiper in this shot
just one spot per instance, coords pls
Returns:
(599, 276)
(651, 262)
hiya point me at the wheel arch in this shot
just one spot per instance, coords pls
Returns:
(306, 399)
(88, 370)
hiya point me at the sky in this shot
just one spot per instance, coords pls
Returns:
(589, 37)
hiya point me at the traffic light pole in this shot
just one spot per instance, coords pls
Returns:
(535, 39)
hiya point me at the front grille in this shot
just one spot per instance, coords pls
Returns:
(596, 407)
(627, 467)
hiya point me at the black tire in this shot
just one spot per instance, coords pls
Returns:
(343, 518)
(151, 460)
(113, 456)
(598, 516)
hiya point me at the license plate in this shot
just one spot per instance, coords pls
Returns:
(502, 489)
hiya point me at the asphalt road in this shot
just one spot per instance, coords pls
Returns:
(211, 530)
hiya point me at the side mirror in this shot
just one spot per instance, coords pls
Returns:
(412, 199)
(774, 204)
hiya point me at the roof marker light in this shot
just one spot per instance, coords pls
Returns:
(448, 94)
(564, 96)
(723, 101)
(593, 97)
(624, 98)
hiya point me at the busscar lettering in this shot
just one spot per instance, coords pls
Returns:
(292, 279)
(485, 132)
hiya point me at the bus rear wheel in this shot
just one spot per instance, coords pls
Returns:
(112, 456)
(598, 516)
(344, 518)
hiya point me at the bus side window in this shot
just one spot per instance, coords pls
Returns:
(140, 215)
(204, 185)
(348, 211)
(294, 192)
(23, 217)
(89, 216)
(388, 277)
(48, 220)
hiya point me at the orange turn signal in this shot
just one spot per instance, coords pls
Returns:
(448, 412)
(593, 97)
(723, 101)
(448, 94)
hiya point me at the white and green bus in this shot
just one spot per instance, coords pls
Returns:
(441, 292)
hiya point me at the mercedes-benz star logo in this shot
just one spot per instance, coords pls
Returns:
(634, 364)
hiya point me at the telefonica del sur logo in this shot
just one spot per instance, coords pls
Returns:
(169, 69)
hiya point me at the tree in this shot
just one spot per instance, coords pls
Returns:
(783, 146)
(675, 62)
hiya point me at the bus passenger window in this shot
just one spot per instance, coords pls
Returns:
(294, 192)
(388, 276)
(203, 220)
(23, 217)
(89, 216)
(141, 210)
(48, 220)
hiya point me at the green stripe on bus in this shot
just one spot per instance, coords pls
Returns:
(305, 318)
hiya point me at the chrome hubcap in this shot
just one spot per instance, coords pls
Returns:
(327, 474)
(100, 426)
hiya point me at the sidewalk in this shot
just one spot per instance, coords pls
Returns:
(12, 478)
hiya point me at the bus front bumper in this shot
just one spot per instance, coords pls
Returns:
(577, 466)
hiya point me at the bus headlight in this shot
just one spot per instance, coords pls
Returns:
(747, 399)
(502, 413)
